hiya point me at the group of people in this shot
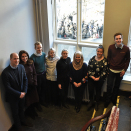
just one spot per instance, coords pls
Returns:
(39, 80)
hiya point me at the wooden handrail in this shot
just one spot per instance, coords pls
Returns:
(85, 127)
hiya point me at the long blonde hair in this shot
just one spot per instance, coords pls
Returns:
(76, 65)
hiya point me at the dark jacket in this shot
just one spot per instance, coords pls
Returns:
(14, 85)
(62, 67)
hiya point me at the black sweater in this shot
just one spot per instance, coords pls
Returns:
(62, 67)
(78, 75)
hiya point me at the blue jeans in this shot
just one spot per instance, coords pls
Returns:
(113, 84)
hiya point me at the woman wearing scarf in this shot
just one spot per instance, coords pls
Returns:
(78, 73)
(51, 77)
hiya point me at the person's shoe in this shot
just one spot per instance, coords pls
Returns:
(114, 102)
(34, 112)
(65, 106)
(44, 104)
(96, 107)
(19, 129)
(77, 110)
(26, 123)
(38, 107)
(106, 104)
(76, 107)
(90, 106)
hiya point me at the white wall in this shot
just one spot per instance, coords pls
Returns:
(17, 32)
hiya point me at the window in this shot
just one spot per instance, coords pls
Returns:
(88, 53)
(71, 49)
(78, 26)
(88, 13)
(66, 15)
(92, 20)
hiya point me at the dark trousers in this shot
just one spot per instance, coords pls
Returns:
(52, 92)
(63, 92)
(17, 110)
(94, 87)
(78, 92)
(41, 87)
(113, 84)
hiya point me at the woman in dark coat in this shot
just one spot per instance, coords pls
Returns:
(62, 67)
(97, 71)
(78, 74)
(32, 95)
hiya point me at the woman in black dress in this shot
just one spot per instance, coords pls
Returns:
(62, 67)
(78, 73)
(32, 95)
(97, 71)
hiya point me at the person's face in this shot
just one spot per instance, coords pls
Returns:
(14, 61)
(52, 54)
(38, 49)
(24, 57)
(78, 58)
(118, 40)
(64, 54)
(99, 52)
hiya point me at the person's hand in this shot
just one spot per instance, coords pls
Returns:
(122, 73)
(87, 76)
(75, 84)
(59, 85)
(93, 78)
(70, 79)
(22, 95)
(79, 84)
(97, 79)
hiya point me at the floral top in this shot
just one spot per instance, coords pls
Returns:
(98, 68)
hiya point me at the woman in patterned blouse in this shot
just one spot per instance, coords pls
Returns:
(97, 70)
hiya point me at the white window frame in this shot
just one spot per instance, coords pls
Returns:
(78, 42)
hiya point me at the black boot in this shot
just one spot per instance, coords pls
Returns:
(90, 105)
(96, 106)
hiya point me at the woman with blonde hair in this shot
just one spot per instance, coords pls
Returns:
(78, 73)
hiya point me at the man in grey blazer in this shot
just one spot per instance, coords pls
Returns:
(15, 83)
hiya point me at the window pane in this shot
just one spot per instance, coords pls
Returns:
(71, 50)
(88, 53)
(66, 16)
(93, 20)
(130, 34)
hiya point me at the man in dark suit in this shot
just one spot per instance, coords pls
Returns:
(15, 83)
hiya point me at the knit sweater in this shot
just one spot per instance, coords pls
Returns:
(51, 73)
(39, 62)
(118, 58)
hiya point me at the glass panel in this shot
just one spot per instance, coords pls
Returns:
(71, 50)
(66, 16)
(88, 53)
(130, 34)
(92, 20)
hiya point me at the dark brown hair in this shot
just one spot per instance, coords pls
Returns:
(29, 61)
(118, 34)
